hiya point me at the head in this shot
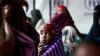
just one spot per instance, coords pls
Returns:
(14, 14)
(47, 33)
(7, 8)
(96, 21)
(13, 7)
(37, 14)
(61, 9)
(18, 2)
(97, 8)
(97, 12)
(88, 48)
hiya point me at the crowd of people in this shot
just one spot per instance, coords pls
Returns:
(57, 37)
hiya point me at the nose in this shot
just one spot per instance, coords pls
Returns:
(42, 38)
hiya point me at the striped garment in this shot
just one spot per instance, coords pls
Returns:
(56, 49)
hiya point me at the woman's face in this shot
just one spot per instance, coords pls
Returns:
(60, 10)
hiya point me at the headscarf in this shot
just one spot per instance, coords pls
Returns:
(56, 47)
(49, 27)
(16, 18)
(64, 8)
(95, 29)
(64, 19)
(18, 2)
(96, 21)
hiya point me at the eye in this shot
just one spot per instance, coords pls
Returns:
(41, 32)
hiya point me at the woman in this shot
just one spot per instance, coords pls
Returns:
(25, 39)
(63, 18)
(38, 19)
(95, 30)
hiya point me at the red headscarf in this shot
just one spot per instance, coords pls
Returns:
(49, 27)
(63, 19)
(64, 8)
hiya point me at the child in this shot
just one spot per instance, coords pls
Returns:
(47, 34)
(50, 41)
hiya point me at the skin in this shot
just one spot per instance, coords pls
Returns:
(60, 10)
(29, 21)
(87, 50)
(46, 37)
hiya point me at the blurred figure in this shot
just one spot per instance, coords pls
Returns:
(37, 19)
(20, 36)
(70, 40)
(63, 18)
(50, 44)
(88, 48)
(70, 32)
(95, 29)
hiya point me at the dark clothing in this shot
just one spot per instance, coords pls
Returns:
(24, 46)
(95, 29)
(26, 38)
(64, 20)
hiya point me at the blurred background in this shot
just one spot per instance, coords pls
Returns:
(80, 10)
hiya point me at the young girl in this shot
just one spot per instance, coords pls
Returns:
(50, 41)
